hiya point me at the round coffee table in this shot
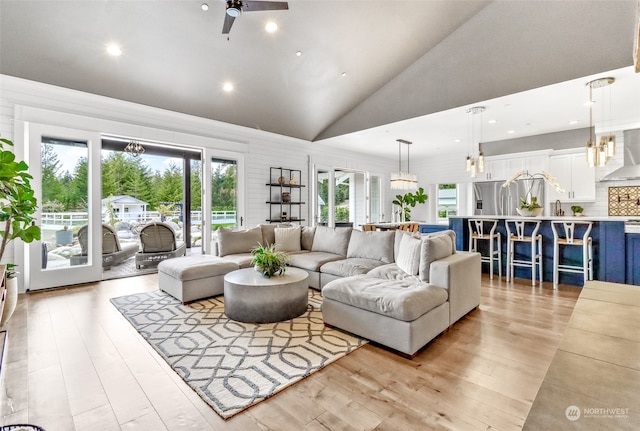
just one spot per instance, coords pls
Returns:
(251, 297)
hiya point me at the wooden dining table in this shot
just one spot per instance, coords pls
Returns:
(387, 225)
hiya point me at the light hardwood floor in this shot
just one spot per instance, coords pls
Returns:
(74, 363)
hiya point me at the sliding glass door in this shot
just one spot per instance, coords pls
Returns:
(223, 201)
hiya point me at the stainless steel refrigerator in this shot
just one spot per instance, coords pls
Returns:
(491, 198)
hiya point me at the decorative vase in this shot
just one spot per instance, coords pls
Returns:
(286, 196)
(11, 300)
(524, 212)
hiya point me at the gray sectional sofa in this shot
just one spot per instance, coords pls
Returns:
(392, 287)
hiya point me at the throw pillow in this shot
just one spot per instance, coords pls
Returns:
(376, 245)
(306, 237)
(331, 240)
(432, 249)
(268, 235)
(448, 232)
(238, 241)
(288, 238)
(409, 254)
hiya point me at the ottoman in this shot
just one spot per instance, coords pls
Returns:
(189, 278)
(401, 314)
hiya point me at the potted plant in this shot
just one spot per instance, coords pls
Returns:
(17, 205)
(531, 208)
(577, 210)
(408, 201)
(269, 261)
(11, 299)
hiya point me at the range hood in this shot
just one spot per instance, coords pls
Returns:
(631, 168)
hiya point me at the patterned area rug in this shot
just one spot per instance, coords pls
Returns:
(234, 365)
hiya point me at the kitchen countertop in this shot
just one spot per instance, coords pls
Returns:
(549, 218)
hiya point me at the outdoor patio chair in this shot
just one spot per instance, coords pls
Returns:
(158, 242)
(113, 253)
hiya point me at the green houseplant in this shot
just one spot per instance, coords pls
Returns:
(17, 206)
(17, 200)
(408, 201)
(269, 261)
(577, 210)
(530, 207)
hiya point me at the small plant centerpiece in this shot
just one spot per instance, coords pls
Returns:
(577, 210)
(531, 208)
(268, 261)
(408, 201)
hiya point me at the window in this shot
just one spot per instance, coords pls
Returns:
(447, 201)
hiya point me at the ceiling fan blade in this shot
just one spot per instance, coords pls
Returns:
(228, 22)
(252, 6)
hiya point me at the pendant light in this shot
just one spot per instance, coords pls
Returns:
(134, 148)
(402, 180)
(598, 154)
(475, 161)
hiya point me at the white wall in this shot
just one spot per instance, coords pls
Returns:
(22, 99)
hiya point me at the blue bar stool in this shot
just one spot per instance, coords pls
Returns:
(517, 233)
(485, 230)
(564, 234)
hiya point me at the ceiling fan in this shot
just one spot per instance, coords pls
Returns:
(236, 7)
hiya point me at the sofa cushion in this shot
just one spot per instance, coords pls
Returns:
(306, 237)
(390, 271)
(351, 266)
(238, 241)
(399, 234)
(331, 240)
(400, 299)
(312, 261)
(408, 258)
(243, 260)
(288, 238)
(268, 232)
(376, 245)
(432, 249)
(448, 232)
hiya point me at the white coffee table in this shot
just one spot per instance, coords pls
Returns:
(251, 297)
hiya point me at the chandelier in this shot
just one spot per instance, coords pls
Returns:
(598, 154)
(475, 161)
(402, 180)
(134, 148)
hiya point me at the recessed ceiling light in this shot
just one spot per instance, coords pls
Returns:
(271, 27)
(493, 121)
(114, 49)
(204, 7)
(343, 74)
(299, 53)
(227, 86)
(511, 132)
(573, 122)
(456, 140)
(588, 103)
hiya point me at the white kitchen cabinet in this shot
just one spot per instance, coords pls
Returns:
(575, 176)
(500, 168)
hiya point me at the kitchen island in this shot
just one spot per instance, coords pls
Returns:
(609, 254)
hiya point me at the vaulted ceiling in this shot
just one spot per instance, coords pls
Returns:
(362, 64)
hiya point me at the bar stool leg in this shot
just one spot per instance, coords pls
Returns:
(556, 258)
(590, 260)
(534, 258)
(499, 239)
(509, 275)
(540, 259)
(491, 257)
